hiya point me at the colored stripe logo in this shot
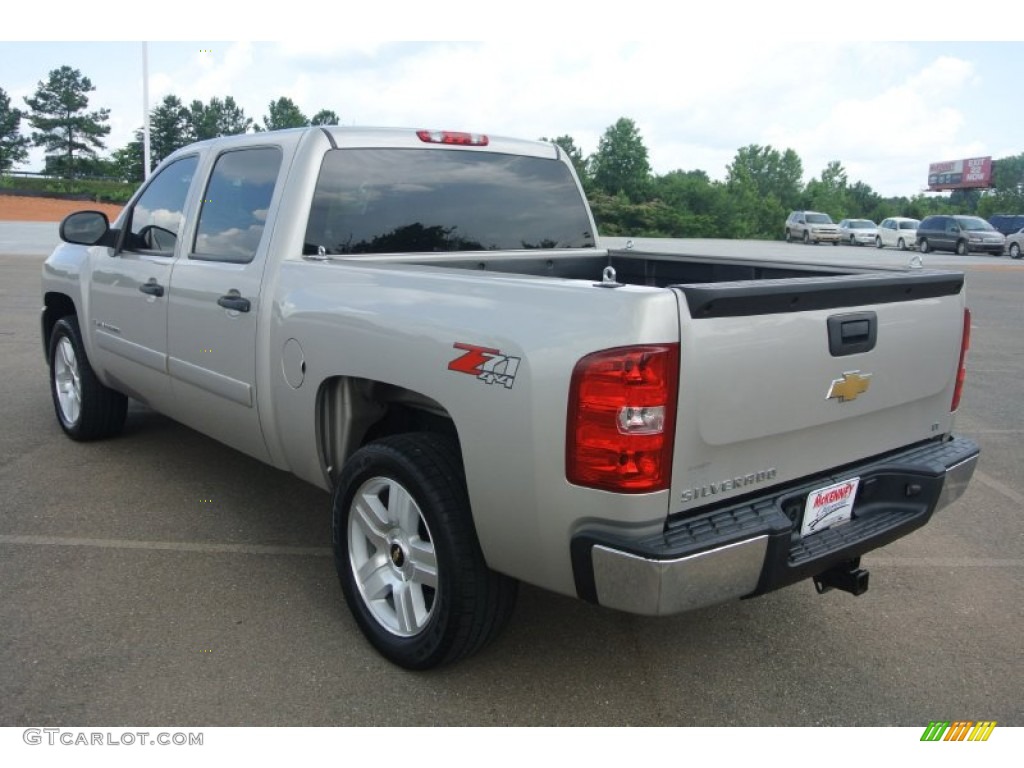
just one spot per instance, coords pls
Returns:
(959, 730)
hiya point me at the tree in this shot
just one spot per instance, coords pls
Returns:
(325, 117)
(284, 113)
(218, 118)
(170, 128)
(13, 146)
(620, 165)
(763, 185)
(773, 174)
(575, 155)
(830, 194)
(63, 126)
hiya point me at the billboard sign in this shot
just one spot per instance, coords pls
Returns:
(960, 174)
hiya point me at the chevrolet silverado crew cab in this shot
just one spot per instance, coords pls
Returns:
(426, 324)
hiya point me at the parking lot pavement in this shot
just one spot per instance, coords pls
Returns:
(28, 238)
(161, 577)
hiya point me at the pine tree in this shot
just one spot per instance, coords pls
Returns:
(63, 125)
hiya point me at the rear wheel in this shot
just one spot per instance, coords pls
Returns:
(923, 245)
(1014, 251)
(961, 247)
(407, 555)
(85, 408)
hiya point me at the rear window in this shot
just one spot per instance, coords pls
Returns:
(431, 200)
(912, 224)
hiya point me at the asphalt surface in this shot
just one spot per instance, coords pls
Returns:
(162, 578)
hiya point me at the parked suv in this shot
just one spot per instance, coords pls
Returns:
(1007, 223)
(897, 232)
(811, 227)
(962, 234)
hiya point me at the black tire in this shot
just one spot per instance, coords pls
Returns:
(807, 237)
(961, 248)
(1014, 251)
(923, 246)
(836, 242)
(901, 244)
(86, 410)
(789, 237)
(457, 609)
(878, 241)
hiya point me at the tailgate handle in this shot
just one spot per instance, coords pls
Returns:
(852, 333)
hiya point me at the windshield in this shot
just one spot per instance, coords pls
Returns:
(972, 224)
(818, 218)
(911, 224)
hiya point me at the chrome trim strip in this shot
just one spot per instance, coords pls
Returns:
(957, 478)
(659, 587)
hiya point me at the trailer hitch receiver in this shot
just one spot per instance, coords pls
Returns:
(847, 576)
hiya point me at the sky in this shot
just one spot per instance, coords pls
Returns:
(884, 109)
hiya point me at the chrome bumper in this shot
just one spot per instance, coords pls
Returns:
(751, 549)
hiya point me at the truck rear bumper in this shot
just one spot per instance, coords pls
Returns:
(755, 547)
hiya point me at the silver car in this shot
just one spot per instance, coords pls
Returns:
(858, 231)
(1014, 242)
(897, 232)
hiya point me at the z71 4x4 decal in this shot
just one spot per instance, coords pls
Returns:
(487, 364)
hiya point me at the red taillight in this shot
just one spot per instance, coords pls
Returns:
(453, 137)
(961, 371)
(621, 424)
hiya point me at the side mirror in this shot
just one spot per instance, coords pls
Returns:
(86, 228)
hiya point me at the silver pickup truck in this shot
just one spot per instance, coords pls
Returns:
(426, 324)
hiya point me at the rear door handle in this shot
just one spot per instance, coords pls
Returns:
(152, 287)
(234, 300)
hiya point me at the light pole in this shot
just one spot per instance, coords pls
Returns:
(145, 111)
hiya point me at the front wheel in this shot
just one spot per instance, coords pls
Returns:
(807, 237)
(961, 247)
(86, 410)
(407, 555)
(878, 242)
(1014, 251)
(923, 246)
(902, 245)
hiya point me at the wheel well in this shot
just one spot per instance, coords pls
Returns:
(56, 306)
(352, 412)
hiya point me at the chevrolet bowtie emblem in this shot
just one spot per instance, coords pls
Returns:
(849, 387)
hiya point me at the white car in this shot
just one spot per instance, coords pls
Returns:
(858, 231)
(1015, 244)
(897, 232)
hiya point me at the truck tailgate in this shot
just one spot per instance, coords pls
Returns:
(785, 379)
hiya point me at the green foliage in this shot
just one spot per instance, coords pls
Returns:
(325, 117)
(13, 146)
(62, 124)
(575, 155)
(218, 118)
(99, 190)
(620, 165)
(284, 113)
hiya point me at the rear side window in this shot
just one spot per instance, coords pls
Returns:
(432, 200)
(235, 205)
